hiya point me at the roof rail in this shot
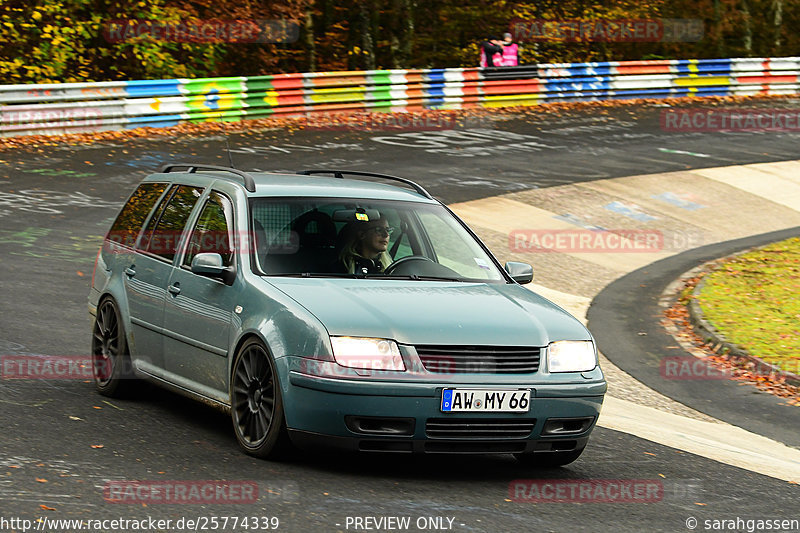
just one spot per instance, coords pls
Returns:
(341, 174)
(249, 182)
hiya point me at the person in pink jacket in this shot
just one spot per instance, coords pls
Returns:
(510, 52)
(492, 52)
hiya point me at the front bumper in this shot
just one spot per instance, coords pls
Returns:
(320, 412)
(309, 440)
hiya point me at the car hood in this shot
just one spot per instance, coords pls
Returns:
(425, 312)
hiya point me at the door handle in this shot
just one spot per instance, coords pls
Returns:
(130, 271)
(174, 289)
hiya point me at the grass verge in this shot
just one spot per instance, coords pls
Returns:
(754, 300)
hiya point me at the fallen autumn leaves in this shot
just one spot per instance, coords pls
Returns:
(740, 369)
(39, 143)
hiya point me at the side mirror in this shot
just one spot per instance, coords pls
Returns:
(210, 265)
(522, 273)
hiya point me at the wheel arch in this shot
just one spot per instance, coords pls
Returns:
(243, 338)
(121, 303)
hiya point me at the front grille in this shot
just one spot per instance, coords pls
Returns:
(474, 447)
(479, 359)
(479, 428)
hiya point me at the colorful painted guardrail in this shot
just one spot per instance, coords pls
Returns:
(81, 107)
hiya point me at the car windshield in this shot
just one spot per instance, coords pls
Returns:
(365, 239)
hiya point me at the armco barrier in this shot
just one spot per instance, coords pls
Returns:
(81, 107)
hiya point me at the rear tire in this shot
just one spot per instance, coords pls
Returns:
(111, 362)
(257, 403)
(548, 459)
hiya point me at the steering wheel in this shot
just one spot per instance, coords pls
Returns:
(407, 260)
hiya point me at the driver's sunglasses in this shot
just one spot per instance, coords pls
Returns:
(383, 232)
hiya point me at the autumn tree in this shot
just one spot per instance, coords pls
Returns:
(67, 40)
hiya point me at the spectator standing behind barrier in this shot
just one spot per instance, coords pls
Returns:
(492, 52)
(510, 51)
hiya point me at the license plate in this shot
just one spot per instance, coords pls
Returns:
(486, 400)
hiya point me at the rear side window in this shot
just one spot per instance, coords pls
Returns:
(163, 241)
(130, 220)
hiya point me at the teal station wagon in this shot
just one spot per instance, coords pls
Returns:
(341, 309)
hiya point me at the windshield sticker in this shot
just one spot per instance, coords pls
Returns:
(482, 263)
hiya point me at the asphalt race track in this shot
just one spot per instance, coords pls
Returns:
(625, 308)
(62, 442)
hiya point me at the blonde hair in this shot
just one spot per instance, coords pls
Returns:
(350, 249)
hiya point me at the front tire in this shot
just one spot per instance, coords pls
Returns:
(111, 363)
(257, 403)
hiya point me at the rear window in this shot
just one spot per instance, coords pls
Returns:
(130, 220)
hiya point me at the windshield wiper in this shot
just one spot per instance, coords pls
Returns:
(436, 278)
(413, 277)
(313, 275)
(378, 275)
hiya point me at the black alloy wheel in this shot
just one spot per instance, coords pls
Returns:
(256, 403)
(110, 358)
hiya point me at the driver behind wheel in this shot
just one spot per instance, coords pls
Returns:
(364, 251)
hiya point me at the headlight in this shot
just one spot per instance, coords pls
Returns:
(366, 353)
(571, 356)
